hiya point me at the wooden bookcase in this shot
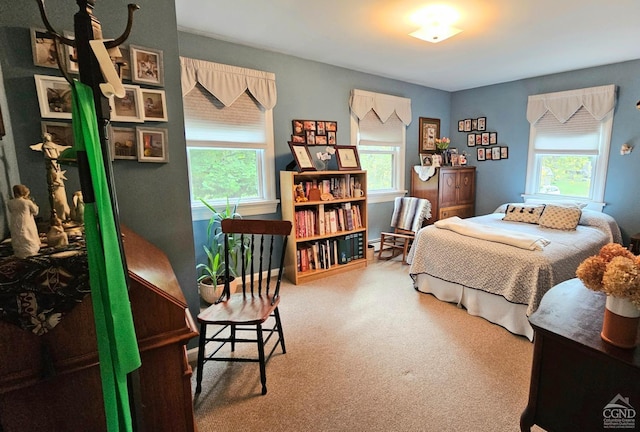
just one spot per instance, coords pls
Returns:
(305, 260)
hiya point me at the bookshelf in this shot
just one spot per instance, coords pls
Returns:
(329, 235)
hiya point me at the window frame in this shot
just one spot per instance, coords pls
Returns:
(268, 203)
(399, 166)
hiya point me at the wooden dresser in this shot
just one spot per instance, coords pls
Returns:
(578, 381)
(451, 191)
(52, 382)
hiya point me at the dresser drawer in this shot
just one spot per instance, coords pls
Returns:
(460, 211)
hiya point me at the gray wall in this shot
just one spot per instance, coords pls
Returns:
(505, 107)
(153, 198)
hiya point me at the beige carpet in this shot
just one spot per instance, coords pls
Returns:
(366, 352)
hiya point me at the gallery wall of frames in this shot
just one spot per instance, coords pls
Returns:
(135, 131)
(485, 141)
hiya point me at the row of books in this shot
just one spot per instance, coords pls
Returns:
(324, 254)
(330, 220)
(339, 187)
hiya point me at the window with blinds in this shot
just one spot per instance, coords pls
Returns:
(567, 158)
(380, 147)
(227, 148)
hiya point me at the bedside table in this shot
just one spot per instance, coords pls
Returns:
(575, 374)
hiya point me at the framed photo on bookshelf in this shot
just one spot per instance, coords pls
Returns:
(347, 158)
(302, 156)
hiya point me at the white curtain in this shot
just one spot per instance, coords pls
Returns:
(361, 102)
(599, 101)
(227, 82)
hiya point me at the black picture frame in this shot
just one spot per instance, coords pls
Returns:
(485, 138)
(504, 152)
(493, 138)
(302, 156)
(481, 154)
(348, 159)
(467, 125)
(460, 125)
(482, 123)
(495, 153)
(471, 140)
(474, 124)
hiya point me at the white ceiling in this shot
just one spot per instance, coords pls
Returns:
(502, 40)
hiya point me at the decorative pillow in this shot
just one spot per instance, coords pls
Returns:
(523, 213)
(559, 217)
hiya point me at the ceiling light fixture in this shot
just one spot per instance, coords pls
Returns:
(435, 23)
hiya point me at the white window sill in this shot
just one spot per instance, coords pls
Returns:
(386, 196)
(201, 212)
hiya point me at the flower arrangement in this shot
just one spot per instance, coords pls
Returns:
(442, 143)
(614, 271)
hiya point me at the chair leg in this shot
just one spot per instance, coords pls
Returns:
(276, 314)
(405, 251)
(232, 337)
(201, 345)
(381, 246)
(263, 366)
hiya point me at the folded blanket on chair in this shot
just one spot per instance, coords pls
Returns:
(498, 235)
(409, 212)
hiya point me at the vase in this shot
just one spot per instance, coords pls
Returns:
(620, 324)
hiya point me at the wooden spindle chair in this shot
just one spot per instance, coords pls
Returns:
(256, 299)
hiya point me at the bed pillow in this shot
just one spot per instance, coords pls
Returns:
(560, 217)
(523, 213)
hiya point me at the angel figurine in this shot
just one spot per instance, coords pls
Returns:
(24, 231)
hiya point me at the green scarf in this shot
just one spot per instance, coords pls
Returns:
(117, 344)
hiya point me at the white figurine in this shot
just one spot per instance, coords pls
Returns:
(24, 232)
(55, 176)
(56, 237)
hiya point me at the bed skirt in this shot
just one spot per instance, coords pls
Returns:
(492, 307)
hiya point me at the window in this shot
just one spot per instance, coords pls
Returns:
(378, 126)
(569, 143)
(229, 134)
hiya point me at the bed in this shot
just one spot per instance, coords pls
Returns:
(501, 282)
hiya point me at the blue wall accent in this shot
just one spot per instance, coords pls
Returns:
(505, 107)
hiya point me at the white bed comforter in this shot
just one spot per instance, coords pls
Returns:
(519, 275)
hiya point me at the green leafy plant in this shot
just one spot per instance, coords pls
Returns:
(214, 267)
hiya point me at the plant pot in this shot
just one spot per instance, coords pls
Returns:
(620, 324)
(210, 293)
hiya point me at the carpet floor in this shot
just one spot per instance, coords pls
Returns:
(366, 352)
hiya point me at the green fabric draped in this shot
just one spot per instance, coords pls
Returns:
(117, 344)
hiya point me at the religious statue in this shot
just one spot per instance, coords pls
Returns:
(56, 237)
(24, 231)
(55, 176)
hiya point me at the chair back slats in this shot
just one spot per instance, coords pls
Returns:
(255, 252)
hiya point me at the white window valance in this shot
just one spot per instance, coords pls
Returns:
(227, 82)
(599, 101)
(361, 102)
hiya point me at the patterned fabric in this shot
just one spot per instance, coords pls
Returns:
(519, 275)
(523, 213)
(38, 291)
(409, 212)
(559, 217)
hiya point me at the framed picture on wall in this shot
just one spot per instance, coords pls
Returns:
(347, 158)
(482, 123)
(152, 144)
(460, 125)
(54, 96)
(155, 105)
(495, 153)
(61, 133)
(146, 65)
(429, 130)
(504, 152)
(481, 154)
(43, 48)
(471, 140)
(493, 138)
(123, 143)
(129, 108)
(467, 125)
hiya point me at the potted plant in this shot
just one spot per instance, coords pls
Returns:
(212, 272)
